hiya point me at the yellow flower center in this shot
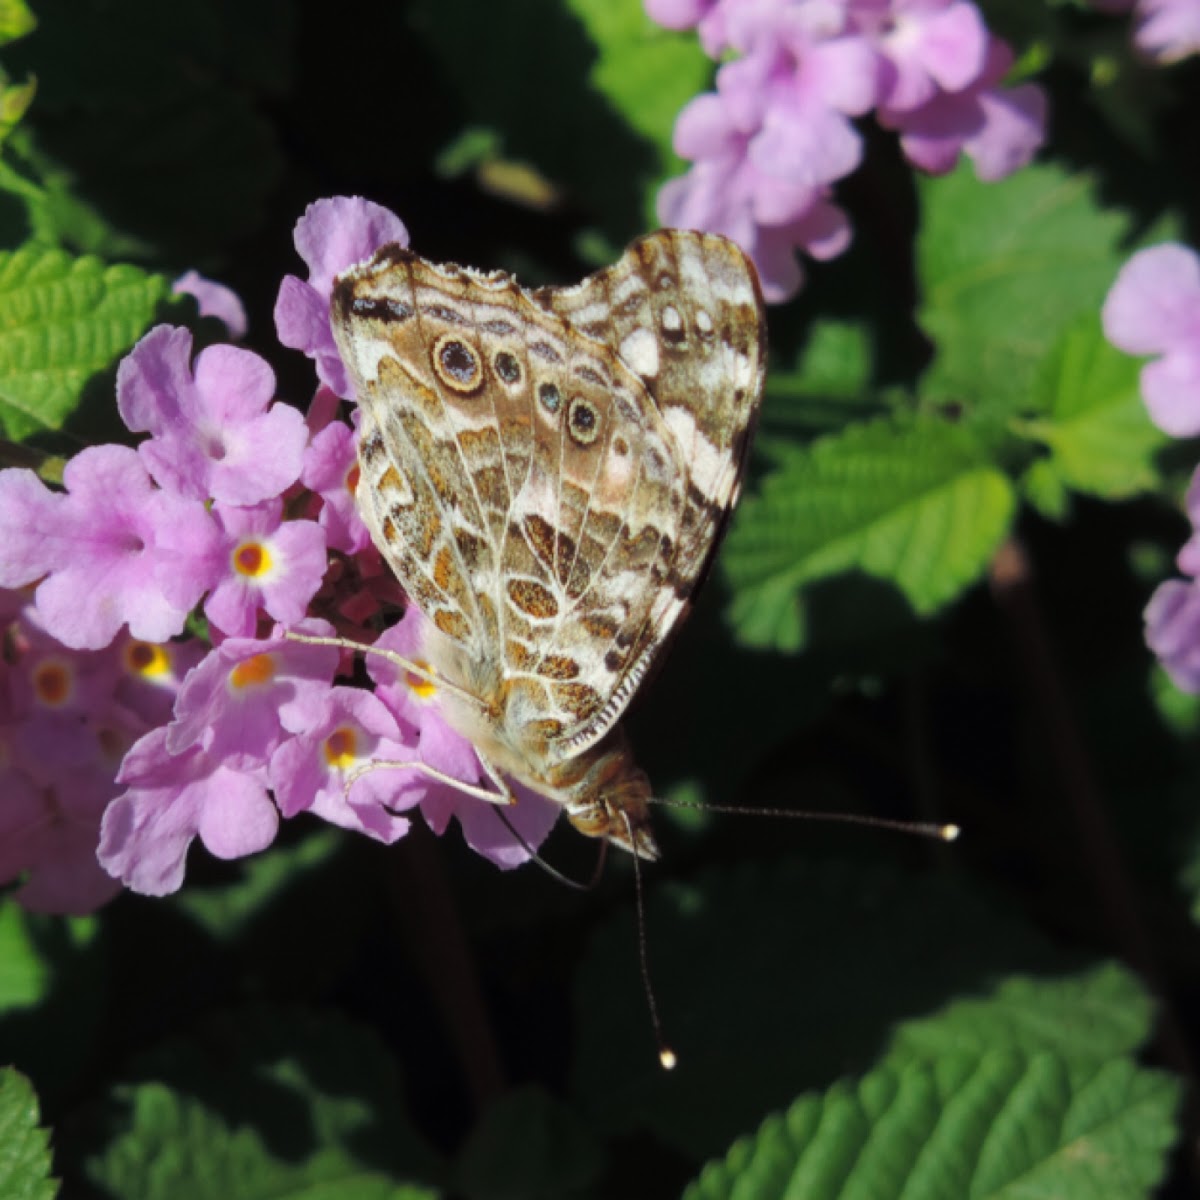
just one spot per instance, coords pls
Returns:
(145, 658)
(341, 747)
(252, 559)
(424, 688)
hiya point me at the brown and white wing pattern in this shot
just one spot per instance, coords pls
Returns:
(683, 310)
(548, 472)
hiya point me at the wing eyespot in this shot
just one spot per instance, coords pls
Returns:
(457, 365)
(550, 398)
(507, 369)
(583, 421)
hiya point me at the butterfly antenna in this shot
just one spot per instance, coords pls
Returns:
(553, 872)
(666, 1056)
(929, 829)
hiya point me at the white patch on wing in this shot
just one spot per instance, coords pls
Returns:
(639, 350)
(369, 352)
(704, 461)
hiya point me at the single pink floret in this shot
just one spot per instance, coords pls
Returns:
(171, 800)
(264, 563)
(243, 701)
(215, 433)
(139, 555)
(310, 772)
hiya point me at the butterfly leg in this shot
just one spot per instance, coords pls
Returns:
(397, 660)
(503, 796)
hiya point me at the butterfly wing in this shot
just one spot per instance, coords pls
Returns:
(684, 312)
(518, 479)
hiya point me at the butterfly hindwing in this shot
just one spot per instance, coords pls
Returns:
(684, 311)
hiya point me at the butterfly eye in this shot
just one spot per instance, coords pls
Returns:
(457, 365)
(507, 367)
(550, 397)
(583, 421)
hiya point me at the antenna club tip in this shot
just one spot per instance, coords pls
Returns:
(666, 1056)
(949, 833)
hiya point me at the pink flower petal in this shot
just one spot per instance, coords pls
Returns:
(1154, 305)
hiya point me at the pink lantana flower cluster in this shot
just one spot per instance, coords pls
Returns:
(150, 695)
(1164, 31)
(1153, 309)
(778, 132)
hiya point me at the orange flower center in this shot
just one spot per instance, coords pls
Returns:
(252, 559)
(52, 683)
(253, 672)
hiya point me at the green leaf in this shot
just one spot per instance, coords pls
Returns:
(996, 1124)
(14, 103)
(51, 211)
(1084, 1019)
(1006, 268)
(1094, 421)
(24, 1147)
(264, 1103)
(15, 20)
(1179, 710)
(917, 505)
(24, 976)
(62, 321)
(1043, 487)
(528, 1146)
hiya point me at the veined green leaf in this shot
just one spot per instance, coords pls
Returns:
(918, 505)
(1093, 419)
(24, 1146)
(996, 1124)
(62, 320)
(1006, 267)
(1085, 1019)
